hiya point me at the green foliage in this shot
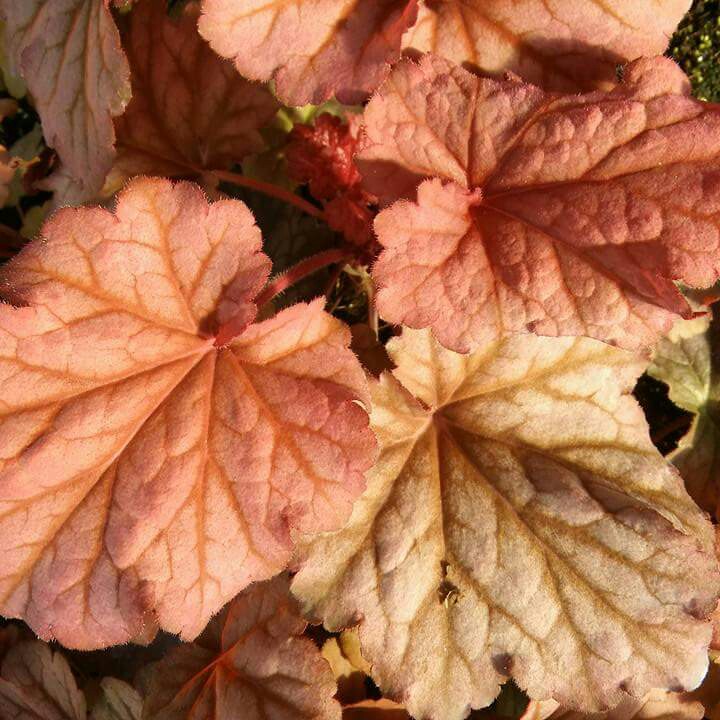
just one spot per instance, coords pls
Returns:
(696, 47)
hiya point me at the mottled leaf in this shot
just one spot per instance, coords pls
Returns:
(312, 48)
(157, 446)
(68, 52)
(190, 110)
(558, 45)
(688, 360)
(37, 684)
(559, 215)
(519, 523)
(118, 701)
(250, 663)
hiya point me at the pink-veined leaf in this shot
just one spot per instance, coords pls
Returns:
(312, 48)
(157, 446)
(190, 111)
(518, 523)
(36, 684)
(250, 663)
(687, 360)
(69, 54)
(558, 45)
(559, 215)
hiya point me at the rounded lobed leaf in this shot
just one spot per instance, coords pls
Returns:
(190, 111)
(559, 215)
(311, 48)
(557, 45)
(249, 663)
(519, 523)
(157, 446)
(69, 54)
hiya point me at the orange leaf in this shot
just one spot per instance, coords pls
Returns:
(250, 663)
(190, 109)
(157, 446)
(565, 46)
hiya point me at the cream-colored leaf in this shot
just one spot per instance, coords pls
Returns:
(656, 705)
(519, 522)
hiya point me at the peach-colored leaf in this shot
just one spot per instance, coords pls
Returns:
(559, 215)
(519, 523)
(312, 48)
(190, 110)
(37, 684)
(688, 361)
(157, 447)
(68, 52)
(559, 45)
(250, 663)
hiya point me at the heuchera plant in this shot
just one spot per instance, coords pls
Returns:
(316, 380)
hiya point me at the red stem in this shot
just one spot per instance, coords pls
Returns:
(300, 271)
(272, 190)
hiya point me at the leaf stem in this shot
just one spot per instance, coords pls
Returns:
(272, 190)
(300, 271)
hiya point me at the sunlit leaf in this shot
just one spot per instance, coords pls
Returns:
(688, 360)
(157, 447)
(519, 523)
(556, 44)
(312, 48)
(559, 215)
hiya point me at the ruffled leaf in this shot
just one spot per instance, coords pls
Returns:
(178, 443)
(313, 49)
(250, 663)
(190, 111)
(559, 215)
(564, 46)
(519, 523)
